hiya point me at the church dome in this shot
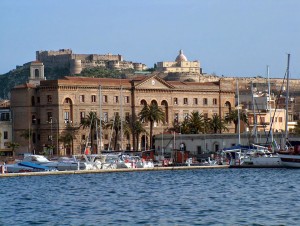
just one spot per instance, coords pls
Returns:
(181, 57)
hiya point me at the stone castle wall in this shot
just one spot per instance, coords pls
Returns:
(66, 58)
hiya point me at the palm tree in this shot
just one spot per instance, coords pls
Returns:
(217, 124)
(115, 125)
(233, 117)
(134, 127)
(13, 146)
(67, 140)
(90, 121)
(152, 113)
(196, 122)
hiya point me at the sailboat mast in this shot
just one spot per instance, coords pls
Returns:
(100, 116)
(287, 97)
(238, 108)
(121, 117)
(269, 103)
(254, 114)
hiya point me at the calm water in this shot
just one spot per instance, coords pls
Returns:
(191, 197)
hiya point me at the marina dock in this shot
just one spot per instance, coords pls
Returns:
(111, 170)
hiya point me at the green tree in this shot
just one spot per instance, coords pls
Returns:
(233, 117)
(115, 125)
(217, 124)
(196, 123)
(13, 146)
(90, 122)
(152, 113)
(67, 140)
(135, 128)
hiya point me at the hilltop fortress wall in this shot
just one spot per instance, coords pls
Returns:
(65, 58)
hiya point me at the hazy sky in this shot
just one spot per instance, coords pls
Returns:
(228, 37)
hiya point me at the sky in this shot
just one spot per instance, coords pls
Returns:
(231, 38)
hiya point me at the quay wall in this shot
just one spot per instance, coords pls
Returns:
(112, 171)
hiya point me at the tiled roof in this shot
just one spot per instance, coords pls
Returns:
(96, 81)
(25, 85)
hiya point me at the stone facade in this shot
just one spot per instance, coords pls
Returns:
(55, 108)
(65, 58)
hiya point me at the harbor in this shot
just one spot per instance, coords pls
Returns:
(68, 172)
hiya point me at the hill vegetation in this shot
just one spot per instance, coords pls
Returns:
(21, 74)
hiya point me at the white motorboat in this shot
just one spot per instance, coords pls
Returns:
(77, 162)
(21, 167)
(127, 161)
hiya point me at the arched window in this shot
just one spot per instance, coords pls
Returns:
(165, 107)
(36, 73)
(154, 102)
(143, 102)
(68, 110)
(228, 105)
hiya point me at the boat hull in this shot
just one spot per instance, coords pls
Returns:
(290, 161)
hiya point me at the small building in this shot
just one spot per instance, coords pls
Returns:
(5, 128)
(204, 145)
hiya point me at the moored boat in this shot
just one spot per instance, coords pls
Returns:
(291, 158)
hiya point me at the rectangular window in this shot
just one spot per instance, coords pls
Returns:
(5, 135)
(38, 100)
(185, 100)
(205, 115)
(204, 101)
(105, 100)
(176, 117)
(93, 98)
(82, 116)
(33, 138)
(280, 119)
(67, 117)
(5, 116)
(127, 116)
(185, 115)
(116, 98)
(49, 116)
(33, 119)
(215, 101)
(81, 98)
(199, 150)
(195, 101)
(127, 99)
(175, 100)
(105, 116)
(82, 137)
(49, 98)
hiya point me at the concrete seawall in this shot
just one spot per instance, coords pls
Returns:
(111, 170)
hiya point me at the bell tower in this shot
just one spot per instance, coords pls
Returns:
(36, 72)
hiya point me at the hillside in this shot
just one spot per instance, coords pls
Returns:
(21, 74)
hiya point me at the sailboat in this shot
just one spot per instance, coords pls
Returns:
(264, 156)
(258, 156)
(290, 157)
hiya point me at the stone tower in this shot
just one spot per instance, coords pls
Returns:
(36, 72)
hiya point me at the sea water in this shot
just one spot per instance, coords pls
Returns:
(177, 197)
